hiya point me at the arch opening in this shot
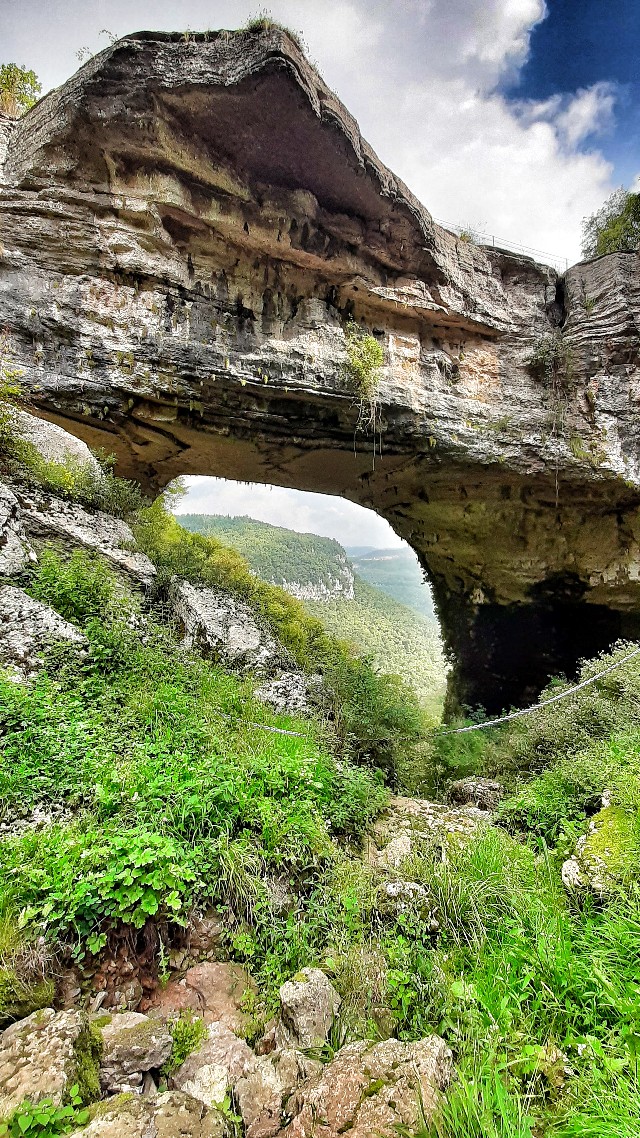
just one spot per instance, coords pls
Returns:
(345, 564)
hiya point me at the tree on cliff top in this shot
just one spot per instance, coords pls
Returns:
(19, 89)
(613, 228)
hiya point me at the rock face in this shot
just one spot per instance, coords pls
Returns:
(309, 1004)
(483, 793)
(15, 551)
(212, 991)
(187, 224)
(27, 627)
(38, 1058)
(409, 819)
(132, 1044)
(220, 625)
(372, 1089)
(170, 1115)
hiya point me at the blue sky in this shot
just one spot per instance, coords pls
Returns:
(581, 43)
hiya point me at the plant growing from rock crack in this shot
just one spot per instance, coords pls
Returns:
(365, 358)
(551, 361)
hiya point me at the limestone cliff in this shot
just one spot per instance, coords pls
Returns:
(186, 225)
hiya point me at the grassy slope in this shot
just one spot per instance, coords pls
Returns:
(399, 639)
(396, 638)
(178, 798)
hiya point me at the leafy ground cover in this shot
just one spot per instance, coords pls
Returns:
(165, 795)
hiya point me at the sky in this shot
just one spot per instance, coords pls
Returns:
(307, 513)
(515, 118)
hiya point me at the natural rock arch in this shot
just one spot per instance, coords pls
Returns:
(185, 226)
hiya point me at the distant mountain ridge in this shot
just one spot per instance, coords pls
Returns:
(378, 600)
(396, 571)
(310, 567)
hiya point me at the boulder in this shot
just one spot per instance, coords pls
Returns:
(15, 551)
(215, 1068)
(308, 1006)
(27, 627)
(39, 1058)
(483, 793)
(291, 693)
(46, 518)
(604, 856)
(408, 820)
(132, 1044)
(212, 990)
(260, 1085)
(170, 1115)
(224, 627)
(395, 897)
(372, 1089)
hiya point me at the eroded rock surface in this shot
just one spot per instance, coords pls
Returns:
(222, 626)
(47, 518)
(38, 1058)
(372, 1089)
(213, 991)
(170, 1115)
(27, 628)
(291, 693)
(15, 551)
(132, 1044)
(309, 1004)
(408, 821)
(483, 793)
(187, 225)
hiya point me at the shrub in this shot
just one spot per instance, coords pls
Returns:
(551, 361)
(19, 88)
(614, 227)
(365, 358)
(187, 1032)
(80, 588)
(76, 481)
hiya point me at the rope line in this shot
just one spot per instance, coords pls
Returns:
(265, 726)
(544, 702)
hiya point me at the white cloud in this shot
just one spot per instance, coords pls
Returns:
(347, 522)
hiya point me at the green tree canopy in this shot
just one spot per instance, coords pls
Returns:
(19, 88)
(614, 227)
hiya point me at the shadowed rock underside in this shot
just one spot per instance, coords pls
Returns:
(185, 228)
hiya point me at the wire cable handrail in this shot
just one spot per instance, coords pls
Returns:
(503, 243)
(544, 702)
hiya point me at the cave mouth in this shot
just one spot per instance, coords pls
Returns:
(344, 562)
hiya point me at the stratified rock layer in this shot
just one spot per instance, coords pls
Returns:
(185, 227)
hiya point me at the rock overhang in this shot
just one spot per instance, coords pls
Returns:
(186, 225)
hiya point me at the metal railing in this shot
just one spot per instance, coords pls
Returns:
(561, 264)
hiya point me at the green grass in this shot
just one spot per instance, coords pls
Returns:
(378, 718)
